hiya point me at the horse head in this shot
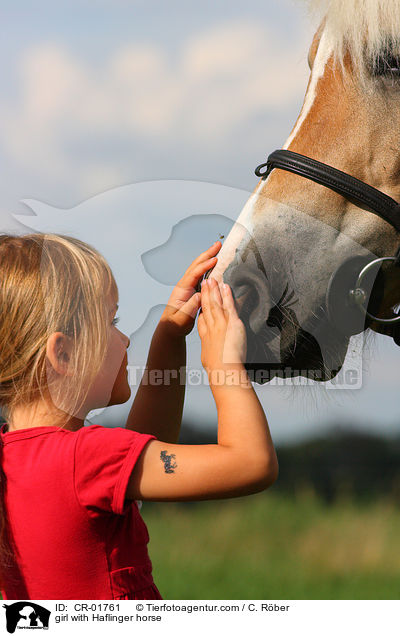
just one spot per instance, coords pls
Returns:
(297, 258)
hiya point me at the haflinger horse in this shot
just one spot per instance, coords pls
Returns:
(313, 257)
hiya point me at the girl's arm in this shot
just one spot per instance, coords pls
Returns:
(158, 404)
(244, 459)
(243, 462)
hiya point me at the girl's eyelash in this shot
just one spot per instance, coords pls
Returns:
(114, 322)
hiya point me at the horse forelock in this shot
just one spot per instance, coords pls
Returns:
(367, 29)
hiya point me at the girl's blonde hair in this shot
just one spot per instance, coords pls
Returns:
(48, 283)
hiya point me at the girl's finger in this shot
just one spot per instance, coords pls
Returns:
(228, 302)
(216, 299)
(212, 250)
(204, 265)
(192, 305)
(192, 275)
(202, 329)
(205, 304)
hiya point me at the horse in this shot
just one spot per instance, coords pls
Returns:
(313, 257)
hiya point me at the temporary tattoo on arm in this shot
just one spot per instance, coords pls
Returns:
(169, 461)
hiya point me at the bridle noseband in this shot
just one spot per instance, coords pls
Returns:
(358, 281)
(353, 189)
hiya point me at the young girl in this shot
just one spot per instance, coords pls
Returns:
(70, 523)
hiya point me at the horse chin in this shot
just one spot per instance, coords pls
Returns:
(304, 358)
(263, 373)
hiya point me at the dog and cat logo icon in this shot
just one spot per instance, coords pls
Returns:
(26, 615)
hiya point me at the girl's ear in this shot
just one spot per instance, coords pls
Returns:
(58, 352)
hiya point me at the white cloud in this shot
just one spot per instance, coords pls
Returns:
(220, 79)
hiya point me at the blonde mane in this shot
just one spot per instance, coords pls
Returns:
(368, 29)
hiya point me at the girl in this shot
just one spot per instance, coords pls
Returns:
(70, 523)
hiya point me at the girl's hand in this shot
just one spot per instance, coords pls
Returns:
(184, 302)
(222, 333)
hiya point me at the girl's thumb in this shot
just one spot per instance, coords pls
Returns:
(192, 305)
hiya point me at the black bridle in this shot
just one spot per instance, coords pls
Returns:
(353, 276)
(353, 189)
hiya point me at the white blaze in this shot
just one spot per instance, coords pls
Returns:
(244, 223)
(325, 50)
(243, 226)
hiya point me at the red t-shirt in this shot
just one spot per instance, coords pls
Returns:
(75, 535)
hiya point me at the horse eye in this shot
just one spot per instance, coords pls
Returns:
(387, 66)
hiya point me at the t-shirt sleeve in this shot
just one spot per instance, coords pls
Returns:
(103, 462)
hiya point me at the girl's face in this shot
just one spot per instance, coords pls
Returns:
(109, 387)
(111, 384)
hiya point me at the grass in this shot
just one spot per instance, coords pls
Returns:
(272, 546)
(269, 546)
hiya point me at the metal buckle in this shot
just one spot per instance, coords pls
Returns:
(358, 295)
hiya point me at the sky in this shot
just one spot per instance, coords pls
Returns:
(137, 126)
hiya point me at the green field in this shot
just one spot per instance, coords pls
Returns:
(270, 546)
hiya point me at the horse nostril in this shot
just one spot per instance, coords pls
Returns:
(273, 321)
(245, 298)
(239, 302)
(251, 294)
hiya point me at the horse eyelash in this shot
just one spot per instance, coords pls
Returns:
(115, 321)
(286, 300)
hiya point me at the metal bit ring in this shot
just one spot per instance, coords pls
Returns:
(357, 293)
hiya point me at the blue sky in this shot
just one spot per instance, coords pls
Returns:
(218, 89)
(101, 97)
